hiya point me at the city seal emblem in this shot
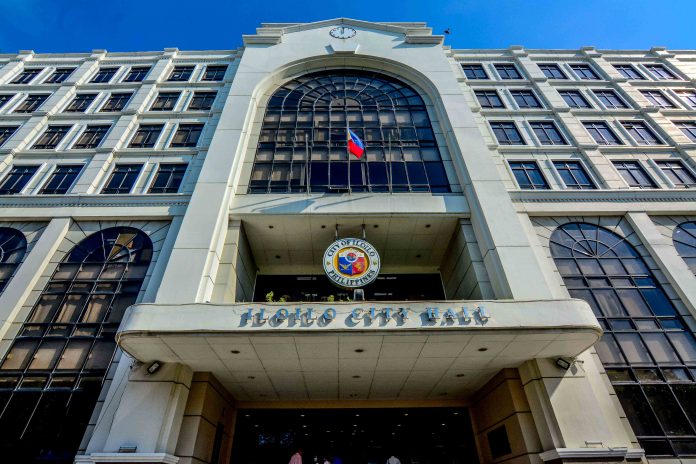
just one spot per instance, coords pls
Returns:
(351, 262)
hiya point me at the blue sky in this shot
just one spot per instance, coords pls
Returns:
(132, 25)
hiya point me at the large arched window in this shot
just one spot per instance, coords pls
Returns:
(303, 146)
(647, 350)
(684, 238)
(51, 377)
(13, 246)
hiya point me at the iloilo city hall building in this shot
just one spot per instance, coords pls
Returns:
(349, 240)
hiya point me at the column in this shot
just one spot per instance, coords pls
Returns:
(29, 272)
(576, 418)
(146, 426)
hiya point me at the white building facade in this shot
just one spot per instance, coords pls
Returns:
(165, 217)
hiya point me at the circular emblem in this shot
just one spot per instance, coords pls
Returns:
(342, 32)
(351, 262)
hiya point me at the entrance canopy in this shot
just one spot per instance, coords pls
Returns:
(347, 351)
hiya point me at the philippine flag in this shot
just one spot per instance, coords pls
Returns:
(355, 145)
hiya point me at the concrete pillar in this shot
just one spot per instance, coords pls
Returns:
(146, 425)
(463, 271)
(574, 414)
(29, 273)
(500, 409)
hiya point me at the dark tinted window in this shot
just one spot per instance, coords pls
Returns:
(26, 76)
(31, 103)
(80, 102)
(601, 133)
(122, 179)
(552, 71)
(116, 102)
(91, 137)
(506, 133)
(146, 136)
(214, 72)
(181, 73)
(62, 178)
(548, 133)
(474, 71)
(187, 135)
(202, 101)
(574, 99)
(168, 179)
(59, 75)
(528, 175)
(51, 137)
(17, 179)
(137, 74)
(634, 174)
(508, 71)
(104, 75)
(584, 71)
(6, 132)
(489, 99)
(574, 175)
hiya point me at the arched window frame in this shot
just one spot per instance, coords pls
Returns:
(684, 239)
(52, 375)
(647, 349)
(13, 247)
(303, 143)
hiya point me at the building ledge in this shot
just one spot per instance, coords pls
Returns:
(593, 454)
(122, 458)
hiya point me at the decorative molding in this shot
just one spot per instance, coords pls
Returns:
(93, 458)
(614, 196)
(593, 454)
(86, 201)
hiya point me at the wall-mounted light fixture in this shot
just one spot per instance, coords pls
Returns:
(153, 367)
(563, 364)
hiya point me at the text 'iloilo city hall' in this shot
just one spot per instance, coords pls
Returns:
(348, 242)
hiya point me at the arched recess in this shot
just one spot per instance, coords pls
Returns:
(51, 377)
(13, 247)
(647, 350)
(302, 144)
(684, 239)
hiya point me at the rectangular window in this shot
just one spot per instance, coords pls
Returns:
(585, 72)
(507, 71)
(657, 98)
(574, 99)
(552, 71)
(687, 127)
(91, 137)
(660, 72)
(80, 103)
(137, 74)
(677, 173)
(4, 99)
(51, 137)
(165, 101)
(116, 102)
(187, 135)
(601, 133)
(26, 76)
(62, 178)
(641, 133)
(202, 101)
(574, 175)
(629, 72)
(528, 175)
(146, 136)
(689, 97)
(6, 132)
(634, 174)
(104, 75)
(610, 99)
(168, 179)
(507, 133)
(214, 73)
(181, 73)
(526, 99)
(17, 179)
(489, 99)
(59, 75)
(122, 179)
(548, 133)
(31, 103)
(474, 71)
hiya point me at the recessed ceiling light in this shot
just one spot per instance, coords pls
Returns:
(234, 351)
(427, 226)
(456, 413)
(304, 426)
(251, 377)
(277, 256)
(483, 349)
(359, 350)
(356, 376)
(323, 226)
(376, 226)
(460, 375)
(357, 415)
(270, 227)
(405, 414)
(246, 415)
(418, 256)
(398, 425)
(301, 415)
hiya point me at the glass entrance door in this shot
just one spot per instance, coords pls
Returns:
(354, 436)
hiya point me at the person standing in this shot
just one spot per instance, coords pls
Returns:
(297, 457)
(393, 460)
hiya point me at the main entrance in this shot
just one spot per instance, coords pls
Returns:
(354, 436)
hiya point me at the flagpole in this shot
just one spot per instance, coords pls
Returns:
(348, 153)
(308, 160)
(389, 174)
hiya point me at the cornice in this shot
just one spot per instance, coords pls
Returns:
(88, 201)
(612, 196)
